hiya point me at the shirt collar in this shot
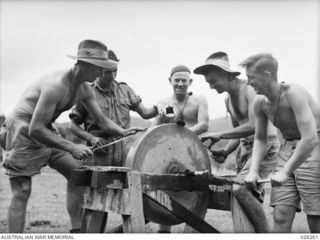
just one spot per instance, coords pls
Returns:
(96, 84)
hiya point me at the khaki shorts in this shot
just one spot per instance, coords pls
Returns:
(23, 155)
(303, 185)
(244, 157)
(267, 166)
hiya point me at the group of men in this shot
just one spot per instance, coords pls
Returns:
(102, 105)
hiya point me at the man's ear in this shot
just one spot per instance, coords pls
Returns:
(169, 79)
(190, 81)
(267, 74)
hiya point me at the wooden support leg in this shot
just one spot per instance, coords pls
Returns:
(119, 228)
(93, 221)
(178, 210)
(241, 223)
(134, 223)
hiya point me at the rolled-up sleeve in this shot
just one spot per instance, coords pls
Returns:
(134, 99)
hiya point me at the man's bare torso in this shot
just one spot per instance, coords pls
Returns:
(59, 84)
(189, 112)
(283, 116)
(238, 106)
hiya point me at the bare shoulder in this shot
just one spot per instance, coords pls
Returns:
(259, 99)
(53, 82)
(296, 93)
(199, 98)
(258, 102)
(250, 92)
(86, 91)
(294, 89)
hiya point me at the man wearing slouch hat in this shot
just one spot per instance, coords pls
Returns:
(30, 142)
(239, 103)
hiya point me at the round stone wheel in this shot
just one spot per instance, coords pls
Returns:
(168, 149)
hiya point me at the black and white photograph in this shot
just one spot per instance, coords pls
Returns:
(159, 117)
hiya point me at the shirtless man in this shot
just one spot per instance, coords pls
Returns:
(219, 76)
(189, 108)
(30, 142)
(294, 112)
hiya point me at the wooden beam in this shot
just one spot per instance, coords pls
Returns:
(180, 182)
(119, 228)
(134, 222)
(241, 222)
(81, 177)
(93, 221)
(109, 200)
(112, 177)
(183, 214)
(111, 180)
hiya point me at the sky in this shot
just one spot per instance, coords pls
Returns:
(151, 37)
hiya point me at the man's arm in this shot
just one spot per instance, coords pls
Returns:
(203, 117)
(78, 131)
(298, 100)
(146, 112)
(239, 131)
(233, 143)
(42, 116)
(260, 143)
(105, 124)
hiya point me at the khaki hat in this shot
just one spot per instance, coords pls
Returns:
(94, 52)
(216, 60)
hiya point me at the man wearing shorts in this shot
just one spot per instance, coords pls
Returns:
(28, 138)
(222, 78)
(187, 107)
(294, 112)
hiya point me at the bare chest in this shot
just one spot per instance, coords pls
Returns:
(187, 111)
(238, 108)
(282, 116)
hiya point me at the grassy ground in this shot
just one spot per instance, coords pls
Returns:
(47, 212)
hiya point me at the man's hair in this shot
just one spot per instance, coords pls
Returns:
(112, 55)
(262, 62)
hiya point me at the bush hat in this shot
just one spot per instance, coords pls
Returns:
(94, 52)
(216, 60)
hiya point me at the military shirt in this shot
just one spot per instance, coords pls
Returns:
(116, 105)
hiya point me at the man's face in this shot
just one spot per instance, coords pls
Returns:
(256, 79)
(217, 80)
(180, 82)
(91, 72)
(108, 76)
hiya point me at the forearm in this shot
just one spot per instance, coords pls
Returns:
(156, 121)
(232, 145)
(301, 153)
(109, 127)
(51, 139)
(258, 153)
(80, 132)
(147, 113)
(237, 132)
(199, 128)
